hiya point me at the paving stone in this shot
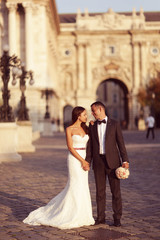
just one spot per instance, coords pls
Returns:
(134, 238)
(103, 234)
(33, 182)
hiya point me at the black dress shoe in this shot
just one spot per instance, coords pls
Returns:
(117, 223)
(97, 221)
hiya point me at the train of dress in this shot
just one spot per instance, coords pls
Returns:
(71, 208)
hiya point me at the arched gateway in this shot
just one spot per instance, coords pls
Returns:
(107, 56)
(73, 56)
(113, 93)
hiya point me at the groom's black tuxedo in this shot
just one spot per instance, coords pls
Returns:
(113, 140)
(115, 153)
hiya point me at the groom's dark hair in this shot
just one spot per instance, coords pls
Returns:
(98, 104)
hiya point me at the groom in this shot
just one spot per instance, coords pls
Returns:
(105, 147)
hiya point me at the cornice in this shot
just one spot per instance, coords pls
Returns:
(146, 31)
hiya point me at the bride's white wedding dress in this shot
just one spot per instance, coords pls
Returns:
(71, 208)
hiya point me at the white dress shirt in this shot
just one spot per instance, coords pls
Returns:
(101, 135)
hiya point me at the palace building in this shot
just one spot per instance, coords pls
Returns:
(80, 58)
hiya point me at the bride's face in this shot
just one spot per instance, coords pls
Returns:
(83, 116)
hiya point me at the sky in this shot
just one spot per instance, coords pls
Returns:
(71, 6)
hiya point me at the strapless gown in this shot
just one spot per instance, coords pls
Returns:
(72, 207)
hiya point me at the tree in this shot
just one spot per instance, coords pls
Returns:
(150, 95)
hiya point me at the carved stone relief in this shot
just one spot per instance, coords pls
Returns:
(66, 78)
(114, 70)
(110, 20)
(154, 70)
(68, 82)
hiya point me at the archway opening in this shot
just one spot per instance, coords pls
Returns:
(67, 115)
(113, 93)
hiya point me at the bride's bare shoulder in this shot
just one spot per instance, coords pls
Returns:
(70, 129)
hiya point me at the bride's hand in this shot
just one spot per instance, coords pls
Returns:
(87, 168)
(85, 165)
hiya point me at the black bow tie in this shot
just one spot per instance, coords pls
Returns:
(103, 121)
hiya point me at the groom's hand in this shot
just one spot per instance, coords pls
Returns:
(125, 165)
(91, 122)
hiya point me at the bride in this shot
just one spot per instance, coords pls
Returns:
(71, 208)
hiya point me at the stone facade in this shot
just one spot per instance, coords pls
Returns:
(30, 28)
(116, 47)
(77, 57)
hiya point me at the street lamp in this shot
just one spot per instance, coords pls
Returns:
(6, 62)
(152, 103)
(23, 76)
(47, 94)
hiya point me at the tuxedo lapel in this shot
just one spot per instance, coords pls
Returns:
(96, 131)
(108, 127)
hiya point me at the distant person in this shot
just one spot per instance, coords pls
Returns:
(150, 122)
(71, 208)
(141, 124)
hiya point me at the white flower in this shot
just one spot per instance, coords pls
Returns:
(122, 173)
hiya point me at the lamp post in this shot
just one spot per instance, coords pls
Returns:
(23, 110)
(47, 94)
(6, 62)
(152, 103)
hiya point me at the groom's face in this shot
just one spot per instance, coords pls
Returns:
(96, 112)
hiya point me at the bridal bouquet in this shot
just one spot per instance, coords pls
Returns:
(122, 173)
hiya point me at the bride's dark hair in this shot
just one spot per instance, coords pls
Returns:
(76, 112)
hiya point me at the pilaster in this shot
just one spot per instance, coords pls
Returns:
(81, 66)
(143, 62)
(28, 35)
(12, 7)
(132, 105)
(136, 65)
(43, 35)
(88, 67)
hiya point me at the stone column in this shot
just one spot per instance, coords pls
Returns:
(81, 69)
(43, 35)
(143, 62)
(88, 67)
(132, 110)
(136, 66)
(12, 27)
(28, 35)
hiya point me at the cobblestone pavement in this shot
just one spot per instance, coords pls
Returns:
(31, 183)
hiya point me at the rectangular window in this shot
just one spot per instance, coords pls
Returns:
(111, 50)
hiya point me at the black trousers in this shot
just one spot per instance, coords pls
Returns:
(101, 172)
(150, 130)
